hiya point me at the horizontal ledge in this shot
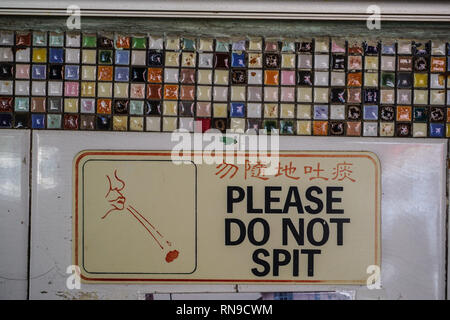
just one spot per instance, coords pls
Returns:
(227, 14)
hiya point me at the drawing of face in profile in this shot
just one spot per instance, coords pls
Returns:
(114, 196)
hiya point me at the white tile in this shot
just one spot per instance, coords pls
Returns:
(14, 195)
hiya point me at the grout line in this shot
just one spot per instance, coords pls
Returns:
(30, 181)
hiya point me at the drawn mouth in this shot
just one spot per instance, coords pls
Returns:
(119, 200)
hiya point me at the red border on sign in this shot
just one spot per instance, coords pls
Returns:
(150, 153)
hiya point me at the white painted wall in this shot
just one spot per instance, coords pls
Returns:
(14, 194)
(413, 215)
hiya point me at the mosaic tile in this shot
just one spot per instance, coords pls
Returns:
(107, 81)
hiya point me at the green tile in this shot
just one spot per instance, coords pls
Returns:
(287, 127)
(222, 46)
(56, 40)
(388, 79)
(420, 114)
(53, 121)
(268, 125)
(39, 39)
(136, 107)
(188, 44)
(89, 41)
(139, 43)
(105, 56)
(21, 104)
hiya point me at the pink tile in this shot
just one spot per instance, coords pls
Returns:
(203, 109)
(23, 71)
(71, 89)
(287, 94)
(288, 78)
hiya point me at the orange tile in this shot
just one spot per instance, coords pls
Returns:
(320, 128)
(171, 92)
(104, 106)
(404, 113)
(354, 79)
(123, 42)
(448, 114)
(353, 128)
(271, 77)
(155, 75)
(438, 64)
(154, 91)
(105, 73)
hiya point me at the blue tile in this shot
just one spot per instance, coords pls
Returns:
(238, 60)
(71, 72)
(5, 120)
(38, 71)
(121, 74)
(370, 113)
(122, 56)
(388, 49)
(321, 112)
(237, 110)
(56, 55)
(38, 121)
(238, 45)
(437, 130)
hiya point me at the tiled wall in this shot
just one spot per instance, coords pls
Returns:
(143, 82)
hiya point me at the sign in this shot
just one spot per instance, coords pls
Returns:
(141, 217)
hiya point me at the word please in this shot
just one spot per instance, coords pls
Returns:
(316, 199)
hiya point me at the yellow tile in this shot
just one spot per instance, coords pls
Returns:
(221, 77)
(120, 123)
(88, 89)
(255, 44)
(136, 123)
(172, 43)
(287, 111)
(303, 111)
(448, 130)
(104, 89)
(204, 77)
(371, 63)
(204, 93)
(220, 110)
(237, 124)
(237, 93)
(288, 60)
(205, 44)
(169, 124)
(172, 59)
(71, 105)
(39, 55)
(419, 129)
(89, 56)
(88, 72)
(304, 128)
(420, 96)
(270, 110)
(304, 94)
(321, 95)
(121, 90)
(420, 80)
(371, 79)
(170, 108)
